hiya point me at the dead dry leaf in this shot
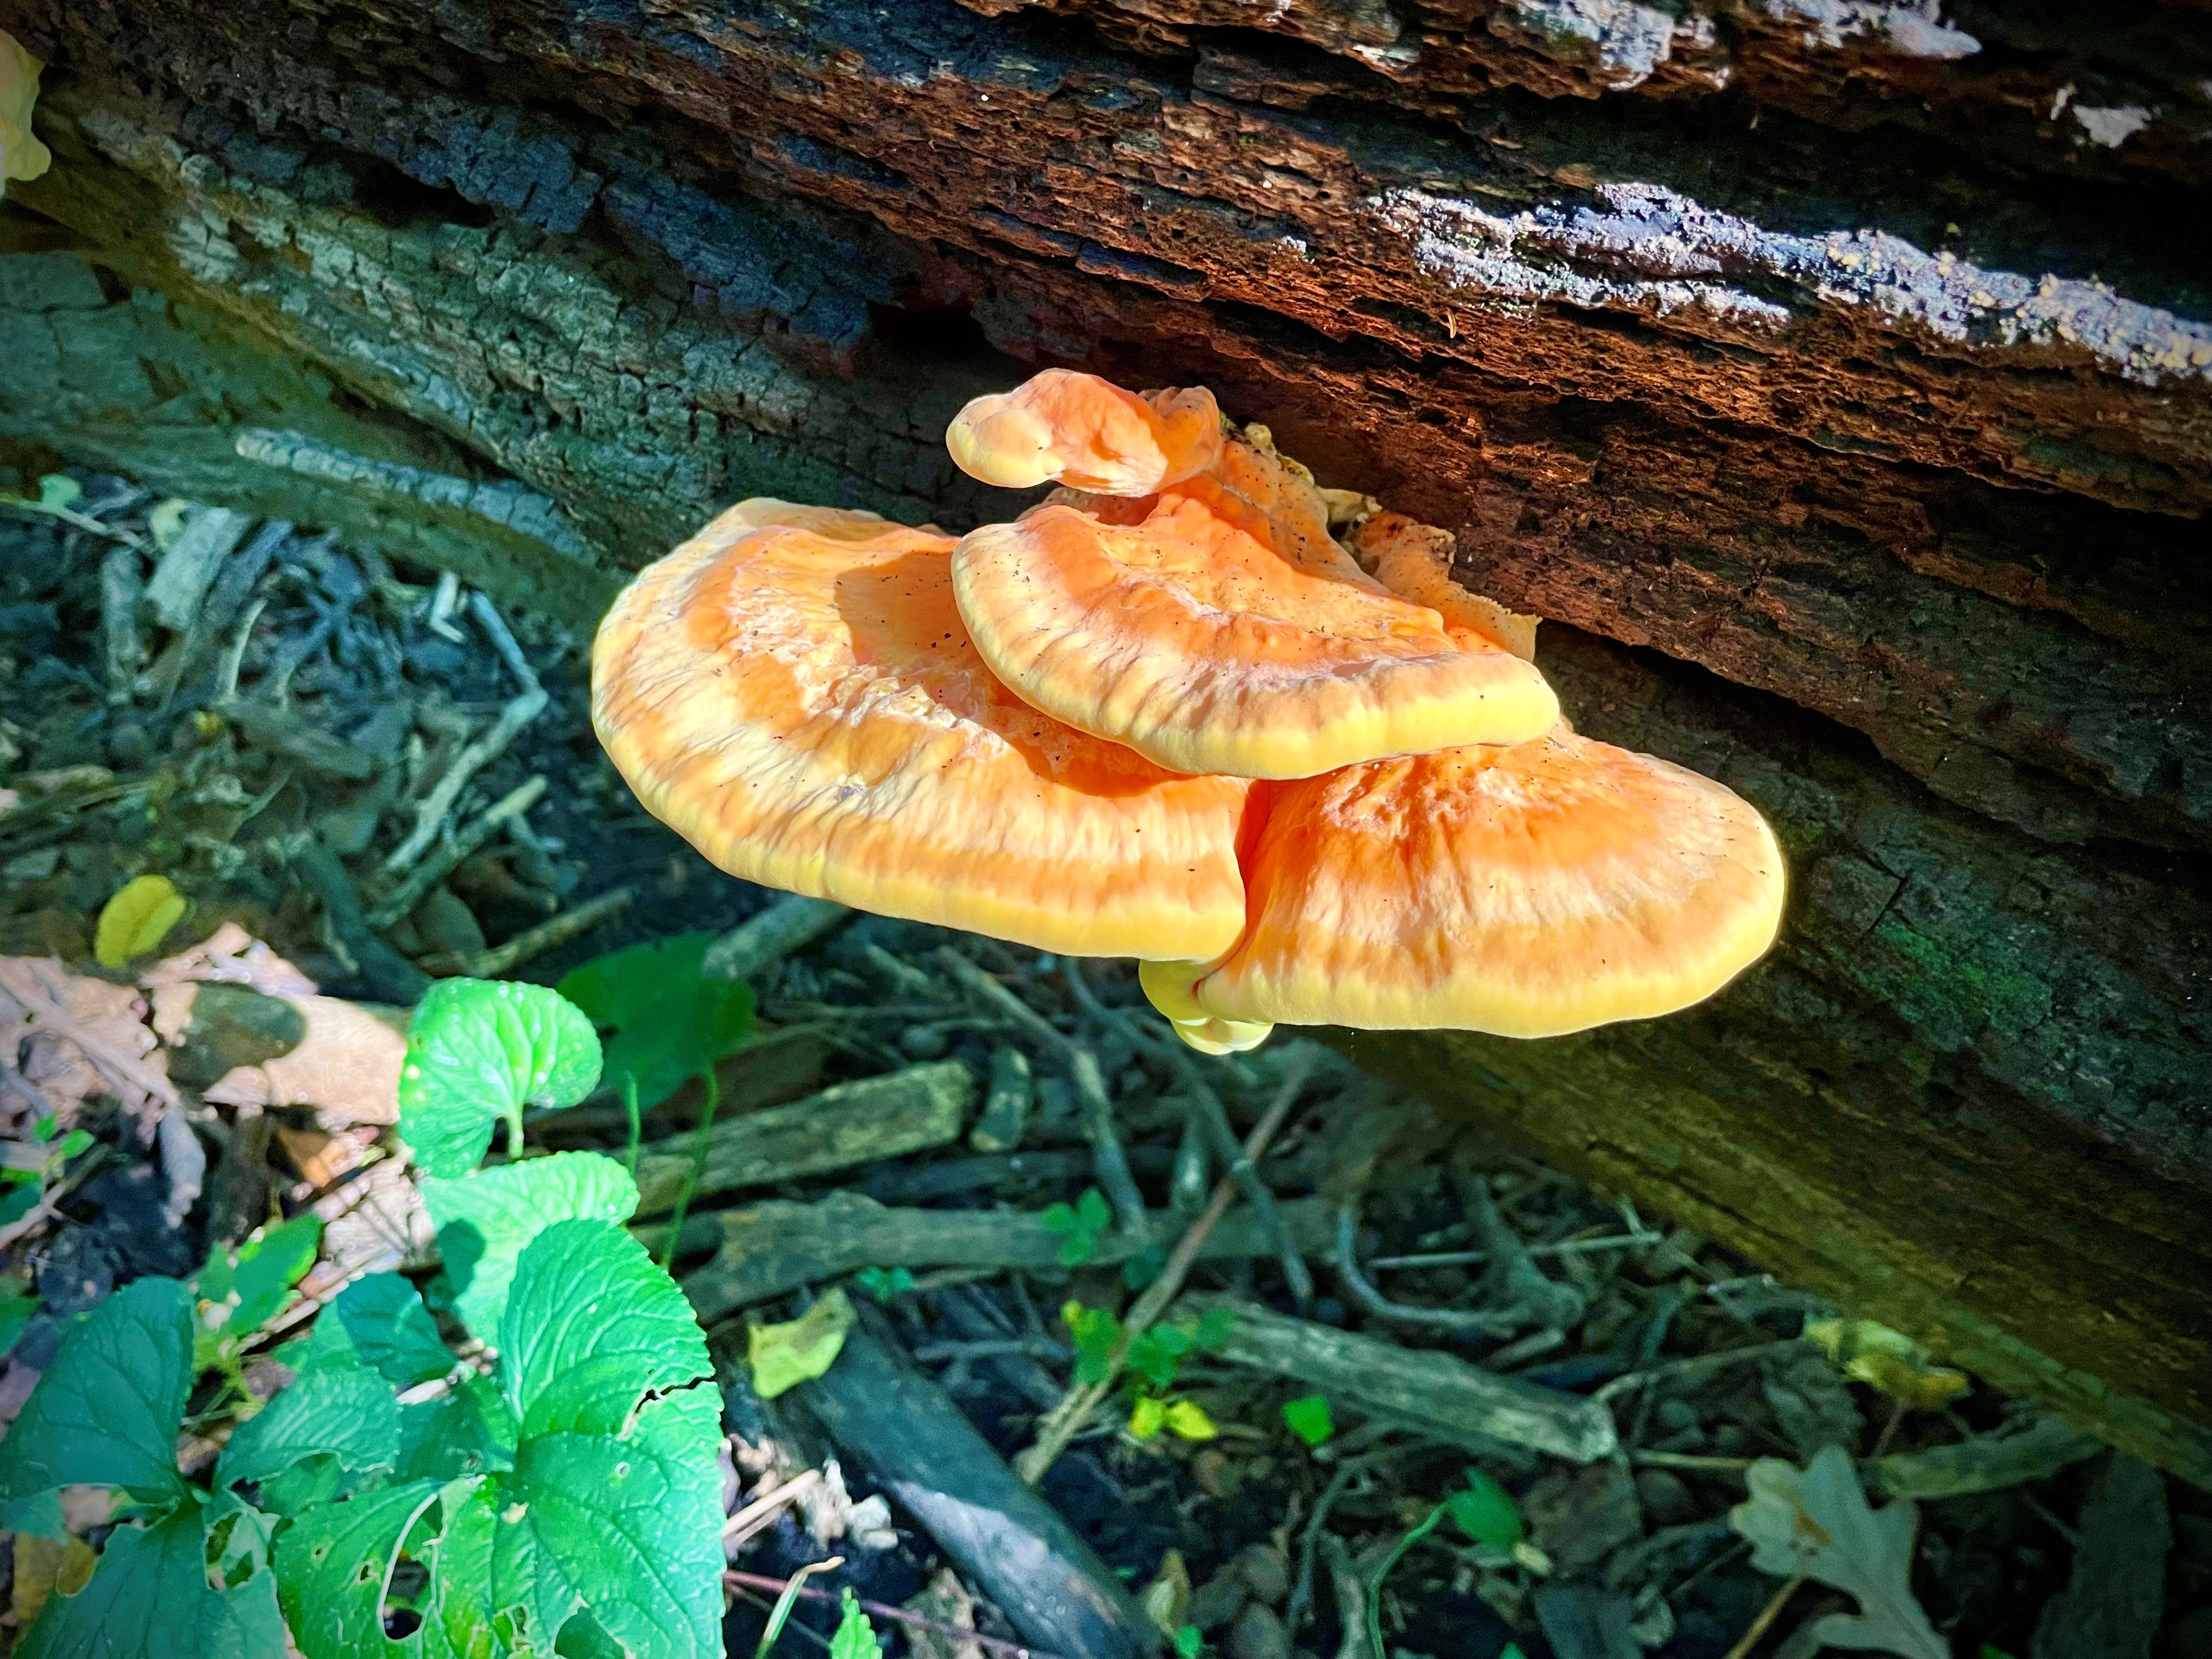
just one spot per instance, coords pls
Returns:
(945, 1600)
(347, 1065)
(66, 1037)
(230, 955)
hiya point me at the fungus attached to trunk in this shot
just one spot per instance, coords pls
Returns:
(1524, 891)
(1215, 626)
(800, 702)
(1077, 429)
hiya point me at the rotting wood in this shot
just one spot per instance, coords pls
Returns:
(765, 1249)
(1439, 1395)
(877, 1117)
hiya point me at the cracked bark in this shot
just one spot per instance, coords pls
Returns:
(1846, 390)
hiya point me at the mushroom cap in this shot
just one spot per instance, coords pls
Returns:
(1216, 626)
(1524, 891)
(1061, 426)
(802, 705)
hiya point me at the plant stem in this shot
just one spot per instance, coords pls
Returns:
(636, 1126)
(698, 1170)
(783, 1602)
(1767, 1615)
(1375, 1584)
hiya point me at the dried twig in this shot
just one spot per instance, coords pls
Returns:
(430, 812)
(532, 942)
(1488, 1323)
(435, 868)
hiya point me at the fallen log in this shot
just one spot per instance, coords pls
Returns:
(768, 1248)
(877, 1117)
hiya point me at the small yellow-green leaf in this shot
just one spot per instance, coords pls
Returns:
(1189, 1422)
(166, 521)
(22, 155)
(136, 919)
(1887, 1360)
(784, 1356)
(58, 492)
(1148, 1417)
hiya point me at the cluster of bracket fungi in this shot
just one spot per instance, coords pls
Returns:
(1193, 708)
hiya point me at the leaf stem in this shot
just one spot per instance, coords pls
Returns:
(784, 1602)
(1767, 1615)
(698, 1170)
(1397, 1553)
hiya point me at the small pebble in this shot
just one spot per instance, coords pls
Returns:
(1259, 1634)
(1265, 1572)
(1667, 1500)
(1217, 1601)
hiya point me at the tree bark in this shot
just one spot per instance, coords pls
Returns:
(1839, 379)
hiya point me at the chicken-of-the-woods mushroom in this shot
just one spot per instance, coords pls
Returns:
(1216, 626)
(22, 155)
(1050, 731)
(792, 692)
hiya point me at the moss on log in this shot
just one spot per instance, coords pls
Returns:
(1845, 387)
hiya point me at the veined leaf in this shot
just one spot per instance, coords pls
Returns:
(136, 919)
(389, 1327)
(334, 1560)
(241, 1290)
(107, 1410)
(628, 1527)
(478, 1051)
(855, 1637)
(345, 1413)
(149, 1599)
(671, 1023)
(592, 1326)
(1815, 1523)
(467, 1430)
(486, 1218)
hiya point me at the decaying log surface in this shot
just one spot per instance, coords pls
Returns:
(1842, 376)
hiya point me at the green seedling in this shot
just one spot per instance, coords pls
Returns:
(855, 1637)
(1080, 1223)
(1184, 1418)
(564, 1500)
(884, 1283)
(1309, 1418)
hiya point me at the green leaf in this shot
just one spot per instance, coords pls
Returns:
(1215, 1327)
(1058, 1218)
(1077, 1247)
(485, 1219)
(239, 1290)
(855, 1637)
(1189, 1641)
(1148, 1416)
(22, 1197)
(149, 1599)
(1096, 1333)
(334, 1560)
(593, 1325)
(884, 1284)
(1188, 1419)
(325, 1344)
(1092, 1210)
(468, 1431)
(347, 1414)
(671, 1023)
(1309, 1418)
(106, 1412)
(628, 1527)
(784, 1356)
(479, 1050)
(393, 1332)
(1486, 1512)
(1174, 1340)
(1152, 1361)
(57, 492)
(15, 1312)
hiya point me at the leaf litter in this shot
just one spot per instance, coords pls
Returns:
(270, 797)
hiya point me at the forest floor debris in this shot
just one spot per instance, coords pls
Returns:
(1294, 1362)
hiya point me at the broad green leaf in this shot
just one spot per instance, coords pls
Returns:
(241, 1538)
(1189, 1641)
(325, 1344)
(855, 1637)
(784, 1356)
(671, 1023)
(592, 1326)
(389, 1327)
(136, 919)
(1152, 1359)
(20, 1200)
(334, 1560)
(1058, 1218)
(1486, 1512)
(485, 1219)
(1092, 1210)
(467, 1430)
(1148, 1416)
(1309, 1418)
(106, 1412)
(149, 1599)
(629, 1527)
(239, 1290)
(479, 1050)
(346, 1414)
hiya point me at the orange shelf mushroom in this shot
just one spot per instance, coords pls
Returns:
(792, 692)
(1215, 625)
(1048, 732)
